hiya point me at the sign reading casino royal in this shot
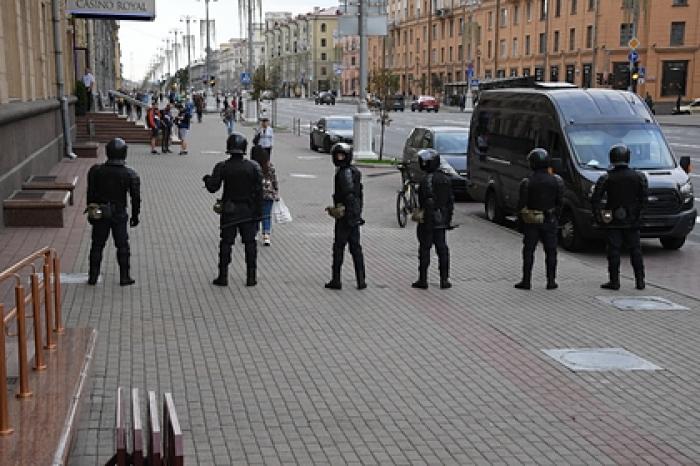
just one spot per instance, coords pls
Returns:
(113, 9)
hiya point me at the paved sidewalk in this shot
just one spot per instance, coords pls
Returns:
(288, 372)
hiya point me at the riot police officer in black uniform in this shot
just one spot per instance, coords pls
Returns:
(539, 207)
(240, 206)
(626, 190)
(108, 185)
(436, 202)
(347, 211)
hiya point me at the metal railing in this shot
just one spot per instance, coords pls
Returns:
(44, 288)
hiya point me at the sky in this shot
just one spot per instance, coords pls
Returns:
(140, 40)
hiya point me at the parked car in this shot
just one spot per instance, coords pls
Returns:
(325, 97)
(397, 103)
(330, 130)
(451, 142)
(425, 102)
(577, 127)
(690, 109)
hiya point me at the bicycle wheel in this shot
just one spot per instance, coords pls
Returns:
(401, 208)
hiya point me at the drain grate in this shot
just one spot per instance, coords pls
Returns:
(600, 359)
(76, 278)
(642, 303)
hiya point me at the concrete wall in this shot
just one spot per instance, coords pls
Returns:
(32, 142)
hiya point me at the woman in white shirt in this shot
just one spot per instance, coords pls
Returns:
(264, 136)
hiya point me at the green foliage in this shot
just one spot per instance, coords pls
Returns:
(423, 84)
(81, 92)
(181, 77)
(383, 85)
(436, 84)
(275, 79)
(260, 82)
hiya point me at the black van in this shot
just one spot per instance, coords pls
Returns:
(577, 127)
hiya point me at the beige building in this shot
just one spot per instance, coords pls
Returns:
(581, 41)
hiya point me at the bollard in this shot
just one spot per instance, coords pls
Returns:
(50, 345)
(24, 391)
(5, 428)
(36, 316)
(58, 321)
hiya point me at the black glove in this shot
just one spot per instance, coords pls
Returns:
(205, 178)
(133, 221)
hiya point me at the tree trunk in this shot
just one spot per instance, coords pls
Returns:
(381, 140)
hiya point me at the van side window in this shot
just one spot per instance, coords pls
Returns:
(482, 134)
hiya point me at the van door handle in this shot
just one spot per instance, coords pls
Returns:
(499, 161)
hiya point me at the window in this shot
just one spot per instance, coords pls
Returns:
(625, 33)
(501, 73)
(526, 71)
(528, 10)
(554, 73)
(572, 39)
(451, 27)
(589, 37)
(459, 52)
(323, 71)
(527, 45)
(442, 55)
(573, 7)
(539, 74)
(556, 41)
(450, 54)
(591, 5)
(543, 10)
(323, 27)
(570, 73)
(513, 72)
(434, 56)
(543, 43)
(587, 75)
(490, 51)
(434, 31)
(323, 56)
(490, 20)
(504, 17)
(673, 80)
(461, 26)
(680, 2)
(323, 42)
(514, 50)
(557, 8)
(502, 48)
(352, 61)
(516, 14)
(677, 33)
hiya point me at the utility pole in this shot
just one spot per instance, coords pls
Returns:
(187, 20)
(430, 46)
(472, 5)
(362, 128)
(175, 49)
(251, 49)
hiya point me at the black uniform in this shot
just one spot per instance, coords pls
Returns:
(545, 193)
(242, 205)
(348, 193)
(626, 190)
(436, 199)
(108, 185)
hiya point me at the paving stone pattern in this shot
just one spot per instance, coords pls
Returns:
(288, 372)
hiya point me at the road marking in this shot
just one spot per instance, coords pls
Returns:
(697, 219)
(309, 157)
(693, 175)
(212, 152)
(302, 175)
(690, 146)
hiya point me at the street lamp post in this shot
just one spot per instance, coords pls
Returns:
(208, 45)
(472, 5)
(187, 19)
(175, 48)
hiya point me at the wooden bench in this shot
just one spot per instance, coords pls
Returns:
(51, 183)
(35, 208)
(161, 449)
(86, 149)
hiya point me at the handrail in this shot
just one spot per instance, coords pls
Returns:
(51, 287)
(129, 98)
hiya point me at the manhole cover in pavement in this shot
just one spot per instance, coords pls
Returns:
(76, 278)
(600, 359)
(302, 175)
(642, 303)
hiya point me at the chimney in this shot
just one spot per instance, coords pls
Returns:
(317, 10)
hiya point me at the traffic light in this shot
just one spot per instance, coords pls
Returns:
(599, 78)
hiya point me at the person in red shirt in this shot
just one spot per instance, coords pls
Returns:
(153, 123)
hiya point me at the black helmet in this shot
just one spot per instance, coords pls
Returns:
(429, 160)
(539, 159)
(236, 144)
(619, 155)
(344, 149)
(116, 149)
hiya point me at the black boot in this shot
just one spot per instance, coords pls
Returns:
(222, 279)
(251, 279)
(422, 282)
(552, 284)
(639, 281)
(523, 284)
(359, 262)
(94, 274)
(335, 283)
(124, 277)
(444, 266)
(612, 284)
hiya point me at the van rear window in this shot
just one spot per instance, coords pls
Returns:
(591, 144)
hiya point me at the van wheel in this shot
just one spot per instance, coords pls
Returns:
(312, 146)
(672, 243)
(493, 211)
(569, 233)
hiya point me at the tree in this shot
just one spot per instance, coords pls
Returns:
(181, 78)
(275, 79)
(422, 83)
(383, 84)
(436, 84)
(260, 82)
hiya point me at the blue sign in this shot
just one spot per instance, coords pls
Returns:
(245, 78)
(633, 56)
(474, 82)
(470, 72)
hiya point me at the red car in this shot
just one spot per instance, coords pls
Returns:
(425, 102)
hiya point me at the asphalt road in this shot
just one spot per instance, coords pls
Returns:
(683, 140)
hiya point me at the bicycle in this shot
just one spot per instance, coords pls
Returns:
(406, 197)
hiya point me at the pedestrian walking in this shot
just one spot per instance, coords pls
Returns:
(153, 122)
(107, 188)
(240, 206)
(228, 116)
(199, 106)
(225, 102)
(626, 190)
(166, 119)
(239, 108)
(462, 102)
(264, 136)
(127, 105)
(434, 217)
(139, 110)
(218, 101)
(347, 212)
(184, 118)
(679, 101)
(539, 206)
(89, 82)
(270, 192)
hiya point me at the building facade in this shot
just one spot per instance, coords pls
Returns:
(350, 72)
(431, 45)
